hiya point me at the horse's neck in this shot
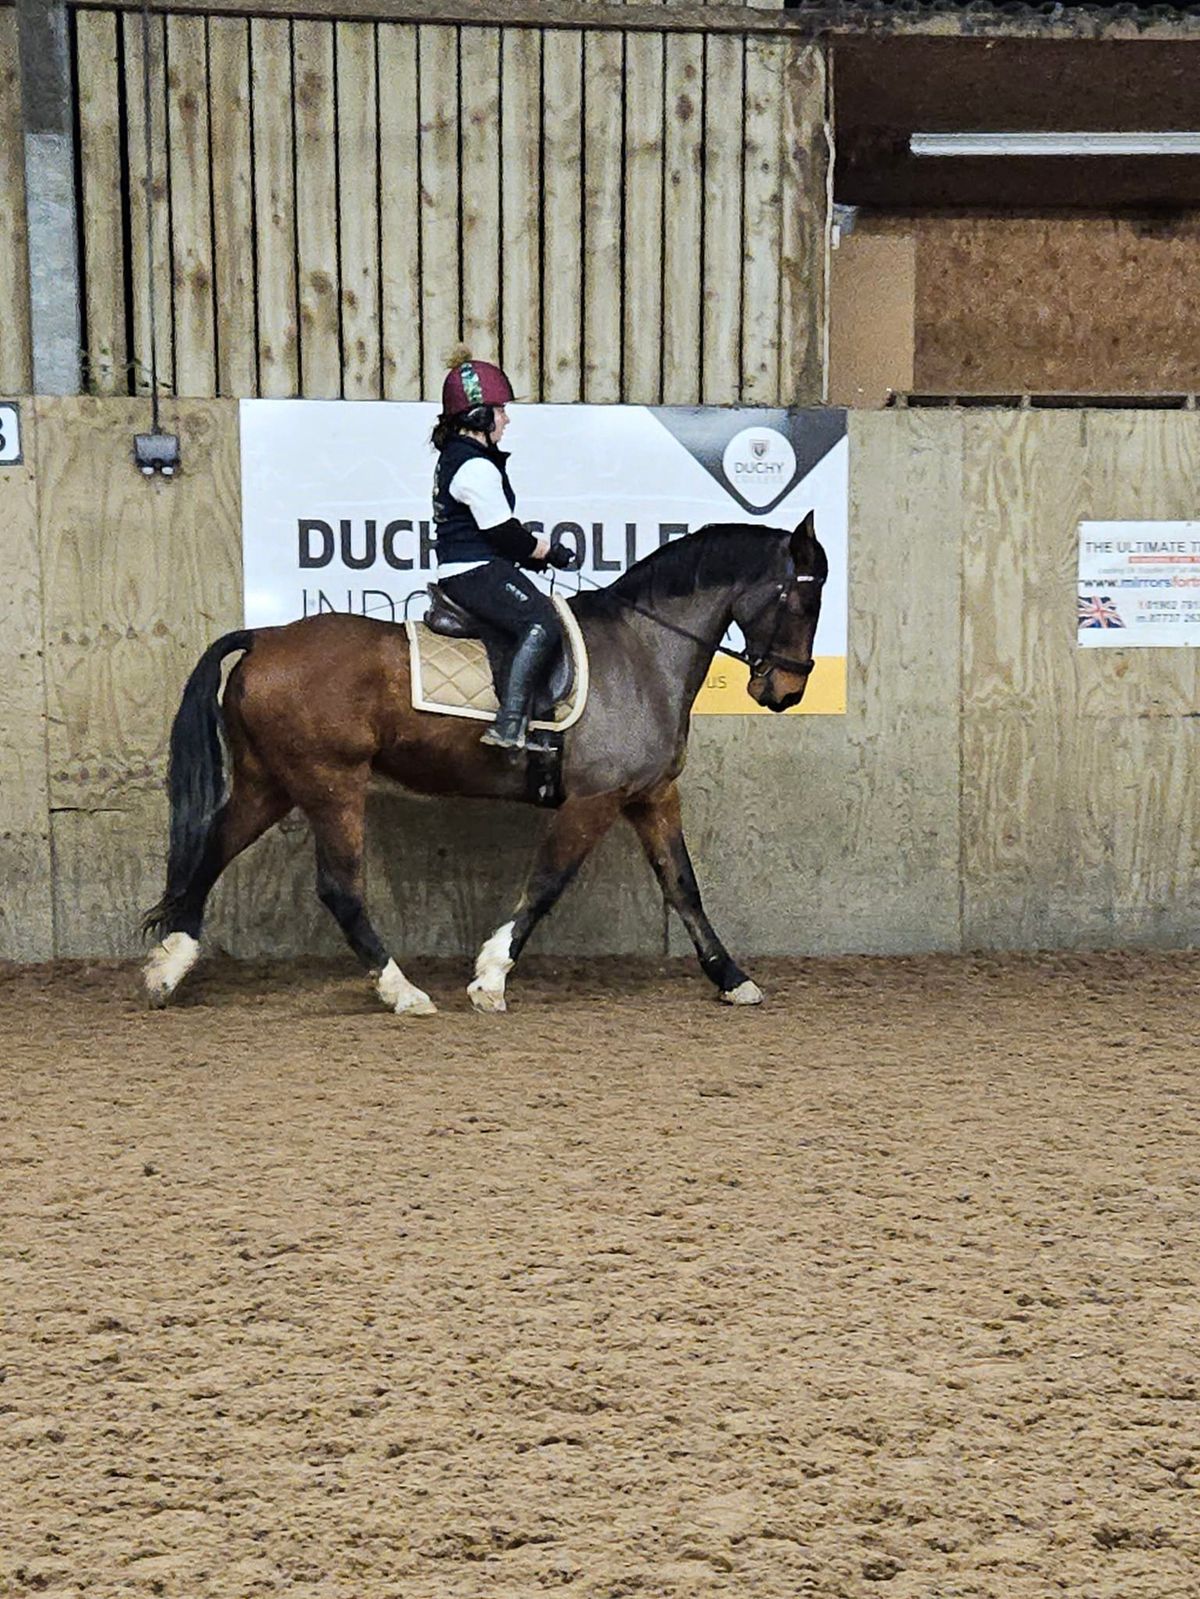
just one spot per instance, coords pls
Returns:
(683, 632)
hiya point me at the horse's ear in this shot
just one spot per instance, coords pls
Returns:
(805, 549)
(803, 539)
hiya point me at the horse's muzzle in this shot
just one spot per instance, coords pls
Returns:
(763, 690)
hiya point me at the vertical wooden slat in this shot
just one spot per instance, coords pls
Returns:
(562, 242)
(683, 214)
(233, 204)
(159, 207)
(274, 208)
(15, 360)
(316, 210)
(761, 222)
(603, 71)
(440, 272)
(358, 208)
(191, 206)
(721, 375)
(1022, 838)
(520, 205)
(481, 253)
(804, 267)
(642, 332)
(684, 219)
(400, 211)
(103, 231)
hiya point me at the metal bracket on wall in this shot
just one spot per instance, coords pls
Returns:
(1047, 402)
(156, 452)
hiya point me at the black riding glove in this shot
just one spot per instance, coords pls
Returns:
(561, 555)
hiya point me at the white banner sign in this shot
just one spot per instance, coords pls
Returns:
(336, 504)
(10, 433)
(1139, 584)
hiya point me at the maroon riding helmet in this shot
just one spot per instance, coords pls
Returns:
(473, 383)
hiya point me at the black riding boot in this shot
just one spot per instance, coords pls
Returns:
(507, 732)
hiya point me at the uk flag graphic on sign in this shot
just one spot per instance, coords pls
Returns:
(1097, 610)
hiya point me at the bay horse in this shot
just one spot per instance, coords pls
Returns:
(314, 708)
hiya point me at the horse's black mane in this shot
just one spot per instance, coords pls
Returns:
(716, 556)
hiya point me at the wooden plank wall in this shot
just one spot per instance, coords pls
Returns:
(26, 871)
(992, 785)
(1079, 767)
(15, 360)
(852, 822)
(139, 575)
(328, 211)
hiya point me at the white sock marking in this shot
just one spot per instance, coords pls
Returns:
(401, 996)
(746, 993)
(491, 968)
(168, 964)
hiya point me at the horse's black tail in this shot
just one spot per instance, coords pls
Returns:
(195, 775)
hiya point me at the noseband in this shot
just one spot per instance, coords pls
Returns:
(760, 664)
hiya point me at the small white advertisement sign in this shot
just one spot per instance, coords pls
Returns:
(10, 433)
(1139, 585)
(336, 504)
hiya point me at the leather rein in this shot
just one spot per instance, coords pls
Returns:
(760, 662)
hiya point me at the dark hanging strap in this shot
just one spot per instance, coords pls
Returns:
(148, 180)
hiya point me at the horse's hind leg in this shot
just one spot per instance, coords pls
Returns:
(338, 820)
(657, 821)
(255, 804)
(576, 828)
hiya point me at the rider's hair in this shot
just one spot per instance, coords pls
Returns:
(480, 419)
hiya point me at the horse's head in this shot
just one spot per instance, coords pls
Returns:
(779, 621)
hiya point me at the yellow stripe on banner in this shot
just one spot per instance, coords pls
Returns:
(724, 692)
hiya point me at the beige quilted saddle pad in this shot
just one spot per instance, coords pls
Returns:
(452, 675)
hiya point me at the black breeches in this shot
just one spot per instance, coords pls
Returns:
(504, 596)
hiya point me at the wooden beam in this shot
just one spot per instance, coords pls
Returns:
(839, 22)
(274, 210)
(573, 14)
(15, 356)
(98, 63)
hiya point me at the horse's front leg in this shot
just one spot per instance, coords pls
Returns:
(575, 829)
(657, 821)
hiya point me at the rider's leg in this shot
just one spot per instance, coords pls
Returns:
(507, 732)
(500, 594)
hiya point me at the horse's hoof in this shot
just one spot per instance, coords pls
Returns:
(401, 996)
(418, 1005)
(488, 1000)
(746, 993)
(168, 964)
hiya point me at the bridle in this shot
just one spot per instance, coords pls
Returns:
(759, 663)
(768, 659)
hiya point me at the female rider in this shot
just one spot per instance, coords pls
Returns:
(481, 547)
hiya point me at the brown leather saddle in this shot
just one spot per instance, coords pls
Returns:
(451, 620)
